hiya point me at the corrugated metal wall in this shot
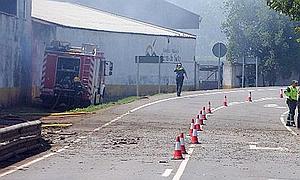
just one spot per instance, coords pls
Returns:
(15, 56)
(42, 36)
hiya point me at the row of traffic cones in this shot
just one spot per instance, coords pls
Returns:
(179, 148)
(195, 127)
(249, 99)
(180, 144)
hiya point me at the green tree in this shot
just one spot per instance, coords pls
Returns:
(288, 7)
(253, 29)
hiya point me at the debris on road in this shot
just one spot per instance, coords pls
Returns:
(56, 125)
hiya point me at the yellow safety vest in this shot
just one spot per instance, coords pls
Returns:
(291, 93)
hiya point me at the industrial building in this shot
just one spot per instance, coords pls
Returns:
(15, 52)
(119, 38)
(27, 27)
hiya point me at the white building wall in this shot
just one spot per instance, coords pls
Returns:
(15, 55)
(121, 48)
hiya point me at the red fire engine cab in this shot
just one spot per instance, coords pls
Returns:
(74, 76)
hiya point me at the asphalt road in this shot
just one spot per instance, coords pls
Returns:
(136, 141)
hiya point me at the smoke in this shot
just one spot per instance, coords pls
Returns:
(158, 12)
(211, 12)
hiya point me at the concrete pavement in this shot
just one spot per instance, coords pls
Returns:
(136, 141)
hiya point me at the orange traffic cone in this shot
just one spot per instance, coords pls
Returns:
(281, 93)
(192, 127)
(209, 108)
(194, 138)
(204, 114)
(197, 124)
(182, 144)
(250, 97)
(177, 152)
(225, 101)
(201, 122)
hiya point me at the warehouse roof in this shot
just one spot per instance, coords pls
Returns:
(77, 16)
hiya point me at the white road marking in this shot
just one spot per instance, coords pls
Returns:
(279, 107)
(82, 137)
(120, 117)
(60, 150)
(110, 122)
(254, 147)
(183, 164)
(77, 140)
(255, 143)
(274, 106)
(167, 173)
(236, 103)
(283, 122)
(270, 105)
(160, 101)
(27, 164)
(218, 108)
(264, 99)
(107, 124)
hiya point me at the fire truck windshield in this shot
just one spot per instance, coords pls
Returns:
(67, 70)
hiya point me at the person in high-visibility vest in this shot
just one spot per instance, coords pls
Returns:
(292, 99)
(298, 117)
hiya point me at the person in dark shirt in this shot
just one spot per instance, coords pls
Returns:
(180, 73)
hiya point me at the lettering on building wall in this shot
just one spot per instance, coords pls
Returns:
(170, 54)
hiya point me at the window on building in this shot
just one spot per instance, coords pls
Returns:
(9, 6)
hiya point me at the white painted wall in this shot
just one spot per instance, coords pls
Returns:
(121, 48)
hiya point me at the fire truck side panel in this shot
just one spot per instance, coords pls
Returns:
(99, 81)
(95, 82)
(87, 74)
(49, 73)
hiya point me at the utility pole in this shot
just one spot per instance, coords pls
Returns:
(195, 74)
(243, 72)
(137, 75)
(256, 71)
(159, 75)
(219, 68)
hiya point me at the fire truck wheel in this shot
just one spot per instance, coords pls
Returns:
(85, 104)
(48, 102)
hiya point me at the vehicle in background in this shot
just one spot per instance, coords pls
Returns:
(74, 76)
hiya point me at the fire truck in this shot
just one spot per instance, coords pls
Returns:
(74, 76)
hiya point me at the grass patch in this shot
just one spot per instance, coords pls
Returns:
(94, 108)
